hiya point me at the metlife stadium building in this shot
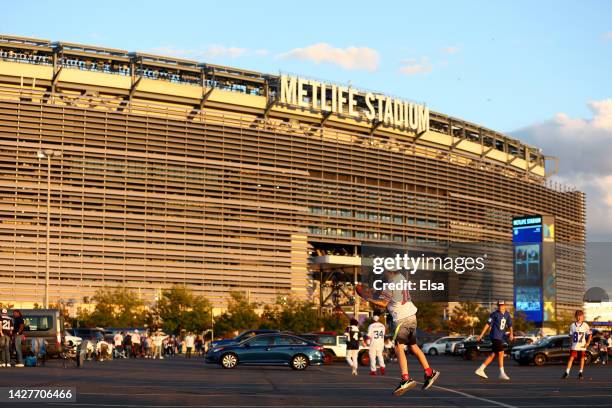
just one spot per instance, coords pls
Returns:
(136, 170)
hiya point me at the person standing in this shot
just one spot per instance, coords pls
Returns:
(605, 346)
(118, 342)
(158, 341)
(353, 338)
(498, 322)
(18, 328)
(136, 344)
(376, 340)
(5, 339)
(189, 344)
(580, 338)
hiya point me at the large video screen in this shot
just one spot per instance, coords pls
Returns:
(527, 239)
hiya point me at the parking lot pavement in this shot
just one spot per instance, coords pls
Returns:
(178, 382)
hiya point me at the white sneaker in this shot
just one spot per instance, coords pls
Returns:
(503, 376)
(481, 373)
(19, 365)
(161, 358)
(354, 372)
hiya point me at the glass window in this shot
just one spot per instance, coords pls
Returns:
(261, 341)
(288, 341)
(38, 323)
(326, 340)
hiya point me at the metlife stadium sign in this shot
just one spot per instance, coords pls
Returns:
(338, 99)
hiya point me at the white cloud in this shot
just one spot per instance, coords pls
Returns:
(584, 148)
(607, 36)
(451, 49)
(414, 66)
(349, 58)
(207, 52)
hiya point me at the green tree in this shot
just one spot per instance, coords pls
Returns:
(291, 315)
(520, 323)
(179, 309)
(114, 307)
(562, 323)
(430, 316)
(467, 317)
(240, 315)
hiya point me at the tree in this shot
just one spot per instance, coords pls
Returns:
(292, 315)
(520, 323)
(239, 316)
(467, 317)
(179, 309)
(430, 316)
(562, 322)
(114, 307)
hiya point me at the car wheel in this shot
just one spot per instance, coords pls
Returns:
(433, 351)
(364, 358)
(229, 360)
(328, 357)
(299, 362)
(539, 359)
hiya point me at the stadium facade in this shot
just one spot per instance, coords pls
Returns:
(162, 170)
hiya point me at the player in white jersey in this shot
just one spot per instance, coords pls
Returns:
(398, 302)
(580, 338)
(376, 340)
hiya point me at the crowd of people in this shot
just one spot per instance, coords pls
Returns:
(144, 344)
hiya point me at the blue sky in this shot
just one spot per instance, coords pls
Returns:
(539, 70)
(503, 65)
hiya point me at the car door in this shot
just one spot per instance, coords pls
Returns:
(256, 350)
(555, 350)
(284, 348)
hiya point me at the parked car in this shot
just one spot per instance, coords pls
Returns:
(438, 346)
(93, 334)
(268, 349)
(456, 348)
(46, 324)
(451, 346)
(469, 350)
(551, 349)
(335, 347)
(241, 337)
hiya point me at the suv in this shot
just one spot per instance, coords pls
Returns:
(93, 334)
(334, 346)
(549, 349)
(47, 324)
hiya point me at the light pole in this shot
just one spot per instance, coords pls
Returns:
(42, 154)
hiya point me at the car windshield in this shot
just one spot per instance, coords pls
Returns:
(260, 341)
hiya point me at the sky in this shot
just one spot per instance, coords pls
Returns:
(537, 70)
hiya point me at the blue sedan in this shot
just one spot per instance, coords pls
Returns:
(268, 349)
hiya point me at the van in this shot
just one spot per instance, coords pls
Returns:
(47, 324)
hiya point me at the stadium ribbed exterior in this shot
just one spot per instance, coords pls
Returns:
(168, 171)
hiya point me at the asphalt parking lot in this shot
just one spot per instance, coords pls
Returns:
(178, 382)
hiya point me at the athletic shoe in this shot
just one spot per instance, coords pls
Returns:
(404, 386)
(19, 365)
(565, 375)
(382, 370)
(503, 376)
(354, 372)
(430, 379)
(481, 373)
(580, 376)
(373, 373)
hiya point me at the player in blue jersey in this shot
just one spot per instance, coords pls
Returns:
(499, 321)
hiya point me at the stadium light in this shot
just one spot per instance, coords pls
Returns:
(42, 154)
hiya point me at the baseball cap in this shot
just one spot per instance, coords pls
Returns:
(500, 302)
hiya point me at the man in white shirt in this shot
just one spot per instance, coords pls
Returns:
(118, 342)
(189, 343)
(580, 338)
(376, 340)
(136, 351)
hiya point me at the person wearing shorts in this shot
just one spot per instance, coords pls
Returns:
(498, 322)
(376, 344)
(399, 304)
(580, 338)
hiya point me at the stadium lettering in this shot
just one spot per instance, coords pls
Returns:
(337, 99)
